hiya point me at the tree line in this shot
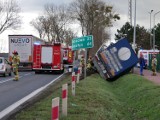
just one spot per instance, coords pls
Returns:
(142, 35)
(93, 16)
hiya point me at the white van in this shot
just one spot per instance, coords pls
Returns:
(146, 55)
(5, 67)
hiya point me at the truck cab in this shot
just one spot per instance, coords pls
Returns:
(68, 55)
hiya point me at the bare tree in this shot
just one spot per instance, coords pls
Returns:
(46, 25)
(9, 12)
(54, 25)
(94, 16)
(68, 35)
(58, 18)
(38, 24)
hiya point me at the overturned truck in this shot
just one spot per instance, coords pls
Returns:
(115, 60)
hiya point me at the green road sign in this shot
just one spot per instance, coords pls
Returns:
(82, 42)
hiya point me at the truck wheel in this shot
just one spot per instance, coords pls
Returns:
(37, 72)
(4, 74)
(10, 74)
(62, 71)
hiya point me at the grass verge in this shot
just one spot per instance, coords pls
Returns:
(131, 97)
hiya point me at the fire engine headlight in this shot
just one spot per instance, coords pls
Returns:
(55, 66)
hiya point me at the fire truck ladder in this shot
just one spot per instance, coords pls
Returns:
(38, 56)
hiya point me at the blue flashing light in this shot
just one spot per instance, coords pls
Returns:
(37, 43)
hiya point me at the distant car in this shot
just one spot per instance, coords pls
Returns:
(5, 67)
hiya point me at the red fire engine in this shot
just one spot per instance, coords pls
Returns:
(48, 58)
(68, 55)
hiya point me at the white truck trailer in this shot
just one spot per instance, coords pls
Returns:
(23, 44)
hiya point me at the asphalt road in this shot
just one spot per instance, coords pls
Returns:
(13, 91)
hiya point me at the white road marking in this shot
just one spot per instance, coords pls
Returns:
(3, 81)
(6, 111)
(8, 80)
(27, 74)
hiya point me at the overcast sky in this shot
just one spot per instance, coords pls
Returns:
(30, 9)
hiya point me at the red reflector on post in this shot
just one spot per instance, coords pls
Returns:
(64, 94)
(73, 78)
(55, 108)
(55, 113)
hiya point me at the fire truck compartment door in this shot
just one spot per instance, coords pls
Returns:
(46, 55)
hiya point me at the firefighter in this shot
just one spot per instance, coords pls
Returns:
(154, 65)
(82, 61)
(82, 64)
(15, 63)
(89, 63)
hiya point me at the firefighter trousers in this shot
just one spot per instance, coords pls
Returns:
(15, 71)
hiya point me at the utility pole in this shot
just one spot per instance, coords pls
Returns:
(150, 30)
(130, 11)
(154, 29)
(134, 35)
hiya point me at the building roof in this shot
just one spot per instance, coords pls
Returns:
(5, 55)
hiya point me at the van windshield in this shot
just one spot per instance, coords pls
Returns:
(1, 60)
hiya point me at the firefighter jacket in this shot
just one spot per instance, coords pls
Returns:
(154, 63)
(89, 63)
(82, 62)
(15, 60)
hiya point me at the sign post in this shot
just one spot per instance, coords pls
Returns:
(83, 43)
(85, 68)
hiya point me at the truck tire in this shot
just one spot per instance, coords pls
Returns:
(4, 74)
(62, 71)
(10, 74)
(37, 72)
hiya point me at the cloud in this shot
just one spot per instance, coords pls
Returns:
(38, 5)
(32, 8)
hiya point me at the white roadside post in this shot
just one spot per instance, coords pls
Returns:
(64, 99)
(73, 83)
(80, 70)
(78, 75)
(55, 108)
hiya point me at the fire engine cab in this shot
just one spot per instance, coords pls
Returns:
(68, 55)
(48, 58)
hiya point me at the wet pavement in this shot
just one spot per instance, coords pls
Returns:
(148, 75)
